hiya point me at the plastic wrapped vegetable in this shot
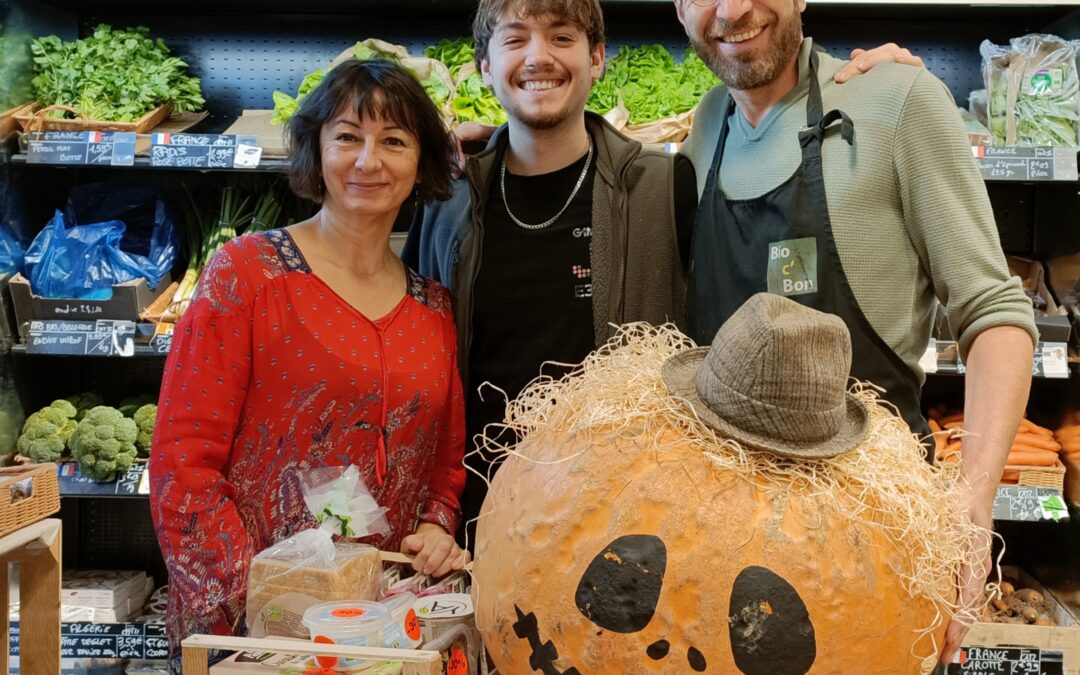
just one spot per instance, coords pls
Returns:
(1033, 91)
(104, 443)
(46, 432)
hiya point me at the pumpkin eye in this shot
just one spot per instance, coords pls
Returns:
(620, 588)
(769, 625)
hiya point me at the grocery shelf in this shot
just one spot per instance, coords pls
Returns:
(942, 358)
(274, 165)
(141, 351)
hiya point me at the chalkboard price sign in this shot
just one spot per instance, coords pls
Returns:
(103, 337)
(1017, 502)
(73, 482)
(201, 151)
(105, 640)
(1026, 164)
(82, 148)
(1006, 661)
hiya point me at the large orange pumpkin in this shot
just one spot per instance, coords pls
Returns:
(604, 553)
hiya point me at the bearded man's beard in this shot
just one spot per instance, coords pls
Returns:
(751, 69)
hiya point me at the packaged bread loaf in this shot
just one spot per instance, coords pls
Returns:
(287, 579)
(310, 567)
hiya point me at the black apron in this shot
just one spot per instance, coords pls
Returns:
(782, 242)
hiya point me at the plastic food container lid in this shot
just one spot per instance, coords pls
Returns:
(347, 617)
(445, 606)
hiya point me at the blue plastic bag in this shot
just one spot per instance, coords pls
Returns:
(150, 233)
(83, 262)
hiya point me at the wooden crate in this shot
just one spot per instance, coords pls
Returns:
(36, 120)
(1064, 637)
(28, 493)
(36, 548)
(195, 652)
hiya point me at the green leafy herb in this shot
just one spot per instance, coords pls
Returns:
(113, 75)
(650, 84)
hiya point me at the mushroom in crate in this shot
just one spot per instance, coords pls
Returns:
(732, 510)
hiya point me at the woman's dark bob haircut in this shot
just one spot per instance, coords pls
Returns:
(375, 89)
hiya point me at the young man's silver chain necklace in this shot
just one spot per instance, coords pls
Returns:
(573, 193)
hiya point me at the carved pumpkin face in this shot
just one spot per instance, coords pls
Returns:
(625, 558)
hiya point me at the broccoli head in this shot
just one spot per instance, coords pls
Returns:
(84, 402)
(46, 432)
(144, 419)
(104, 443)
(9, 434)
(129, 405)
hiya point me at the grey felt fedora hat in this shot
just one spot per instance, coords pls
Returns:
(775, 379)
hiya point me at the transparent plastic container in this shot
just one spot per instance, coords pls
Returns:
(358, 623)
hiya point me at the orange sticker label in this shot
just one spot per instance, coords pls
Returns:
(412, 625)
(325, 661)
(458, 663)
(347, 613)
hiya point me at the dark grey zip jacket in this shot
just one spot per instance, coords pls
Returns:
(636, 271)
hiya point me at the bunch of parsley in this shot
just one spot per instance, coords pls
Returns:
(113, 75)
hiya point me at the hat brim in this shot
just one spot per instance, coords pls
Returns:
(680, 375)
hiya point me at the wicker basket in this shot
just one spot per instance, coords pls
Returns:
(7, 119)
(28, 493)
(36, 120)
(1040, 476)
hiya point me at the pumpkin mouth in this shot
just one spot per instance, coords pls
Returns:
(545, 654)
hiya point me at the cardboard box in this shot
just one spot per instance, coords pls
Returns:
(257, 123)
(1064, 637)
(102, 589)
(127, 301)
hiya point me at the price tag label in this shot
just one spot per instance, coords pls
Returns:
(1007, 661)
(103, 337)
(144, 481)
(1052, 360)
(1026, 164)
(161, 342)
(202, 151)
(928, 362)
(82, 148)
(247, 156)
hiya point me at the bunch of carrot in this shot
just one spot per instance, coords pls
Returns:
(1068, 435)
(1033, 445)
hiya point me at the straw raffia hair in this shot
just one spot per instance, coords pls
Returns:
(884, 482)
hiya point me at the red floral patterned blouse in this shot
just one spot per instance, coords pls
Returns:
(270, 373)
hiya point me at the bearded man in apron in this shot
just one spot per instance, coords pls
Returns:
(862, 201)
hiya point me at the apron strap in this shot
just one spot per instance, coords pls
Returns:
(818, 121)
(817, 132)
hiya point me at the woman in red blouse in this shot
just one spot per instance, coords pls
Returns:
(314, 346)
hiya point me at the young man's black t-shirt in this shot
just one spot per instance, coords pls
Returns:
(532, 300)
